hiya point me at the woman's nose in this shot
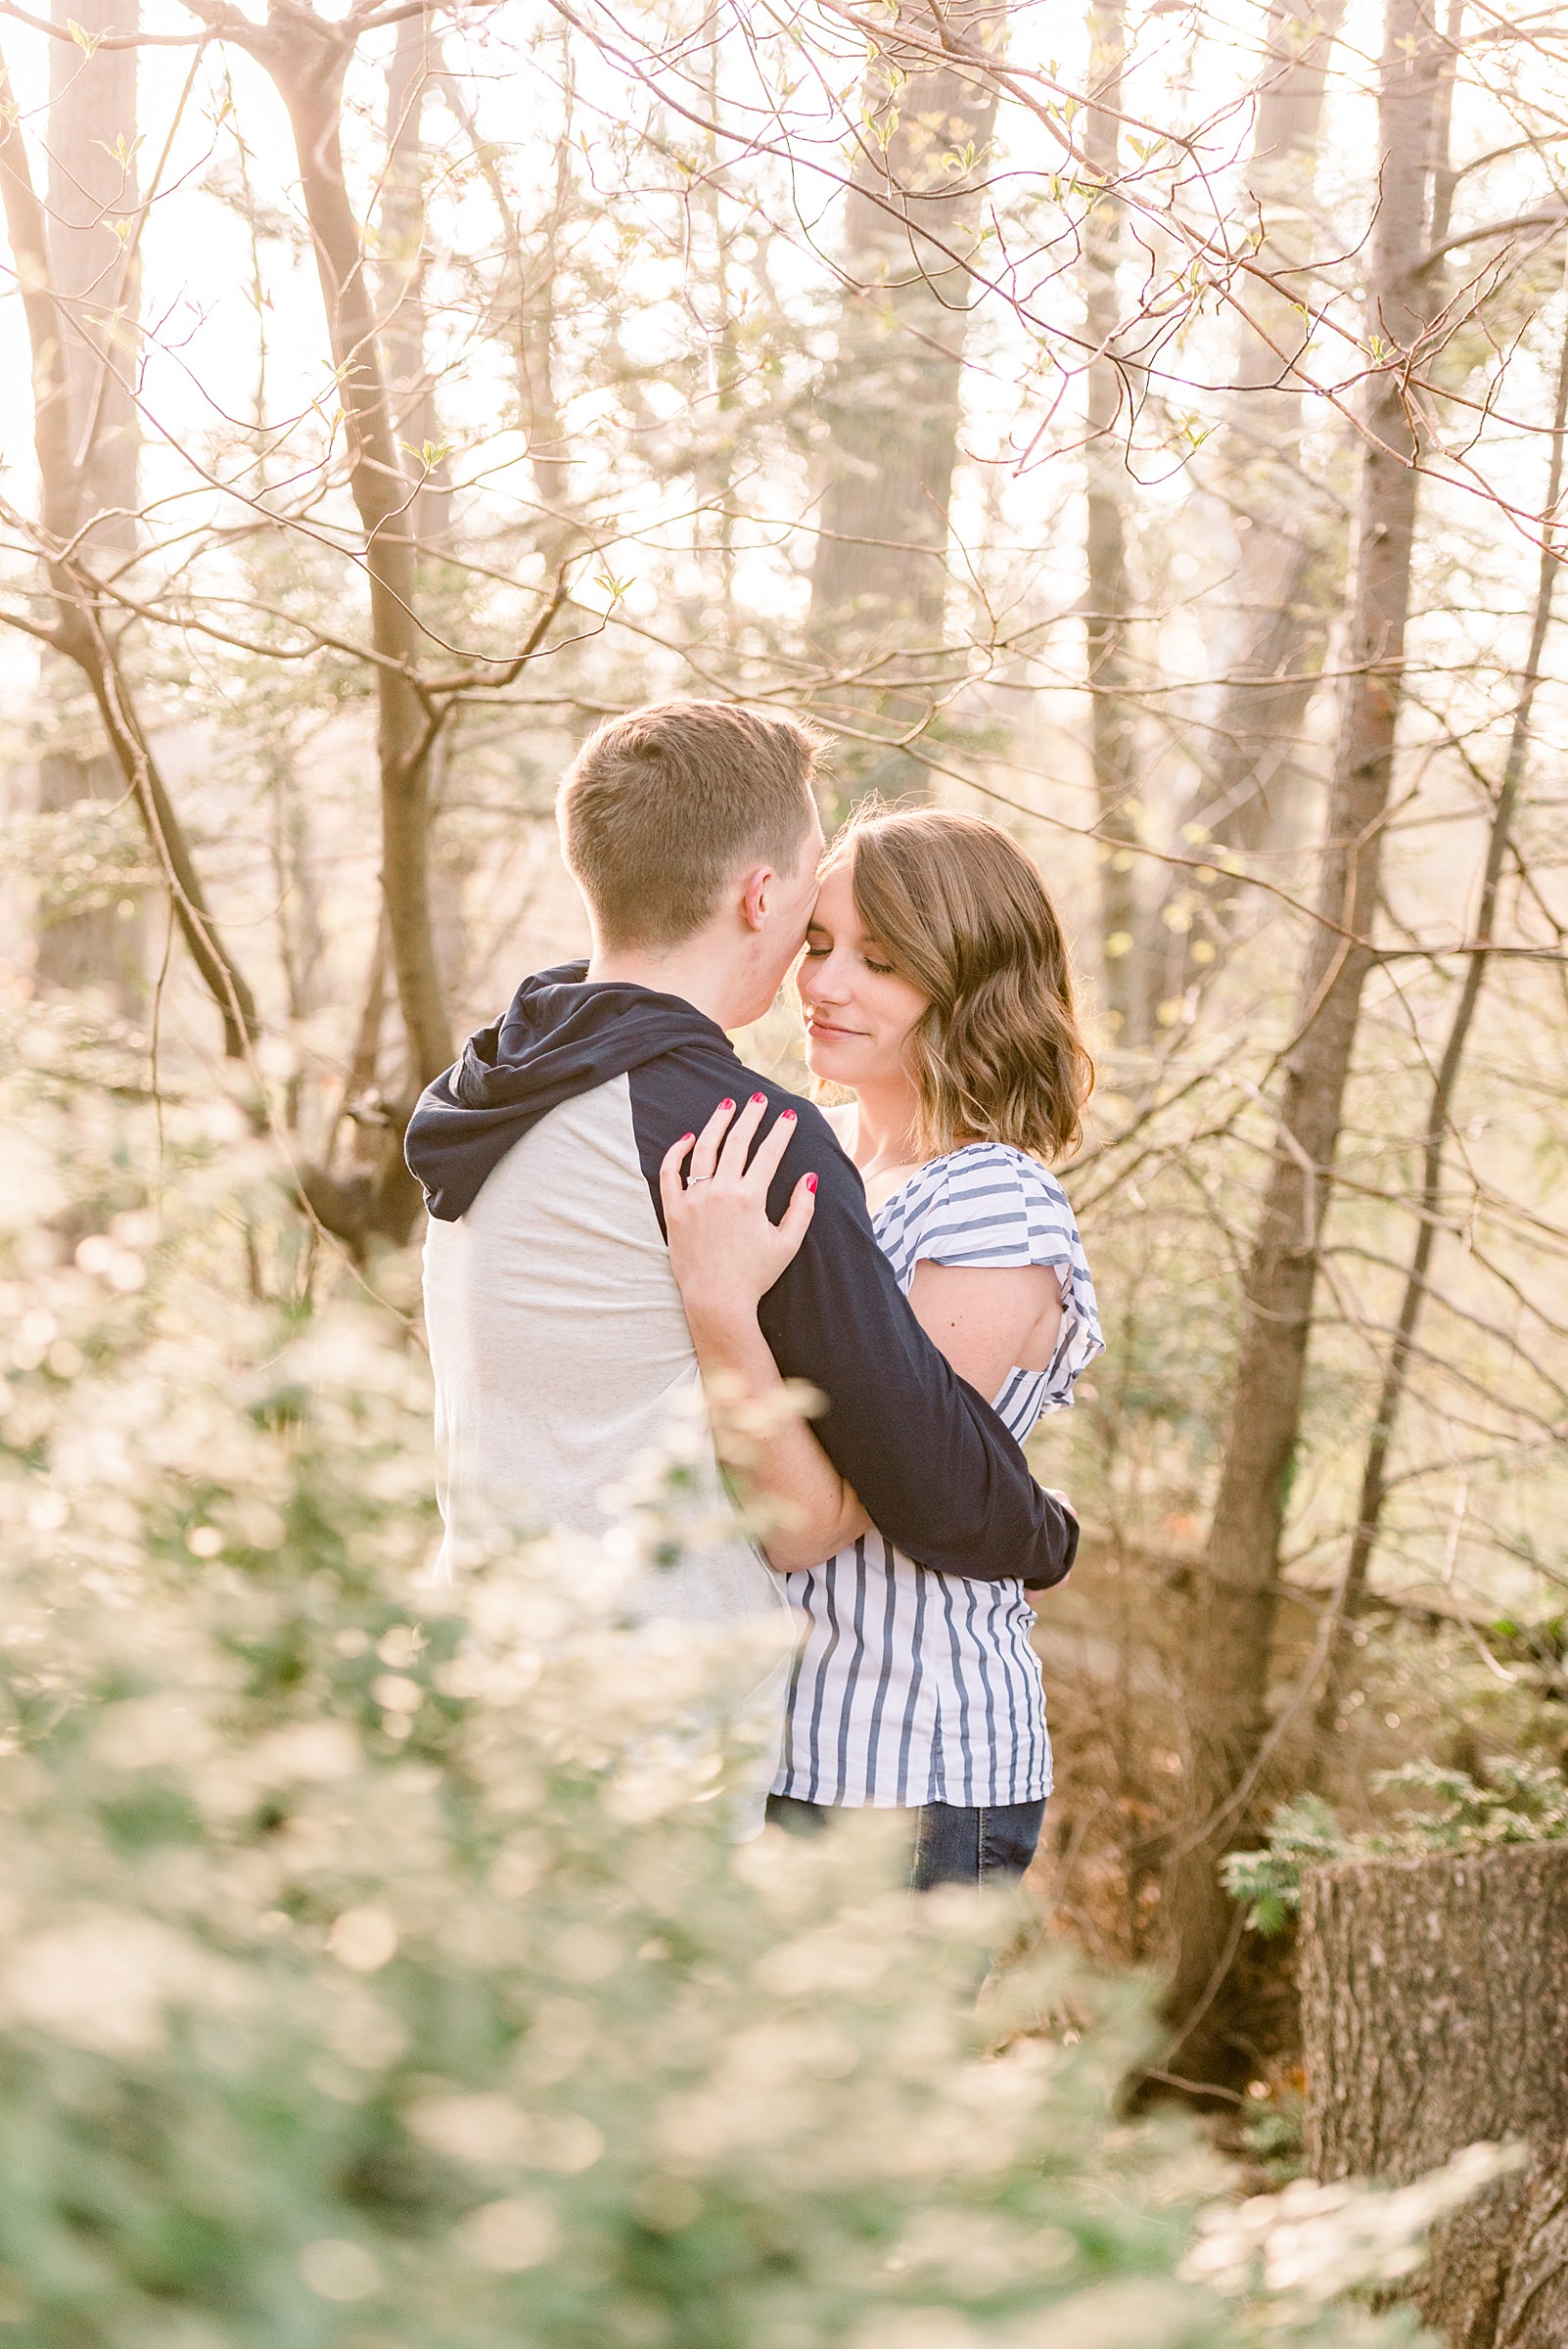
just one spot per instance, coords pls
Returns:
(820, 983)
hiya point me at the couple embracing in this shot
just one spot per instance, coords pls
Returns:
(619, 1209)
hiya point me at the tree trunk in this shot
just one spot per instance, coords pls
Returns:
(79, 631)
(414, 70)
(1113, 721)
(1290, 552)
(539, 330)
(709, 615)
(1228, 1681)
(1440, 1117)
(1287, 578)
(891, 407)
(1435, 2014)
(308, 62)
(528, 310)
(94, 273)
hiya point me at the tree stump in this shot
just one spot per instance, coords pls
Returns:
(1434, 2013)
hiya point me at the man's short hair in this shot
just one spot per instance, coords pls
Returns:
(661, 810)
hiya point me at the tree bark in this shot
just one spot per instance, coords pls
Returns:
(1440, 1117)
(306, 58)
(79, 631)
(539, 330)
(1435, 2014)
(529, 311)
(1255, 790)
(1229, 1679)
(414, 72)
(94, 274)
(1290, 555)
(1287, 578)
(1113, 709)
(891, 407)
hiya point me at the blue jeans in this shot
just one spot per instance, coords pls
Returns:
(953, 1844)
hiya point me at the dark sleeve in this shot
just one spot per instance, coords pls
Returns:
(933, 1465)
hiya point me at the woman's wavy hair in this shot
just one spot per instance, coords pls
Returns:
(960, 911)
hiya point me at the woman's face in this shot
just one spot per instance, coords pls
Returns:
(859, 1012)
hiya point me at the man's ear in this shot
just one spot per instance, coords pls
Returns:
(757, 895)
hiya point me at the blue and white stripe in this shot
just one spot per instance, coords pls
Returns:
(912, 1686)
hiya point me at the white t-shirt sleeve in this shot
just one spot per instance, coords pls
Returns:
(996, 1210)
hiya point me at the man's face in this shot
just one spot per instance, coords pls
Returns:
(798, 894)
(790, 899)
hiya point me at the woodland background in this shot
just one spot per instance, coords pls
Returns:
(1145, 427)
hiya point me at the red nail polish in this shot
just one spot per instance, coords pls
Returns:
(810, 1182)
(788, 1118)
(726, 1104)
(756, 1097)
(687, 1137)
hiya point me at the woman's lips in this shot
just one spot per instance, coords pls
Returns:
(826, 1029)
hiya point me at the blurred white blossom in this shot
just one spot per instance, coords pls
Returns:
(378, 1961)
(1322, 2240)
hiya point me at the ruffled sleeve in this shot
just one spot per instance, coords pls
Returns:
(994, 1208)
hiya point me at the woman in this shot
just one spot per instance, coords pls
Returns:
(936, 991)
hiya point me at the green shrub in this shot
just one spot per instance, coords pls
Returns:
(1513, 1801)
(1300, 1834)
(379, 1973)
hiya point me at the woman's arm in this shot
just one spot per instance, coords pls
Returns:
(726, 1252)
(989, 1320)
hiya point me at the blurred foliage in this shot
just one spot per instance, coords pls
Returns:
(1275, 2136)
(1302, 1834)
(381, 1973)
(82, 857)
(1511, 1801)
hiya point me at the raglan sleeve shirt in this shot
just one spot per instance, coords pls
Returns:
(995, 1210)
(934, 1465)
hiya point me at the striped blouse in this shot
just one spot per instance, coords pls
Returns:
(910, 1686)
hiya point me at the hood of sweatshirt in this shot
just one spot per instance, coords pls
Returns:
(561, 1034)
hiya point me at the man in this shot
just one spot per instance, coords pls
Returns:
(557, 1335)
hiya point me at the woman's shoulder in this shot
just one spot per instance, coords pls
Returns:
(992, 1205)
(988, 1203)
(999, 1169)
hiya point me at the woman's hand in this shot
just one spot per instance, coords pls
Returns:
(726, 1252)
(725, 1248)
